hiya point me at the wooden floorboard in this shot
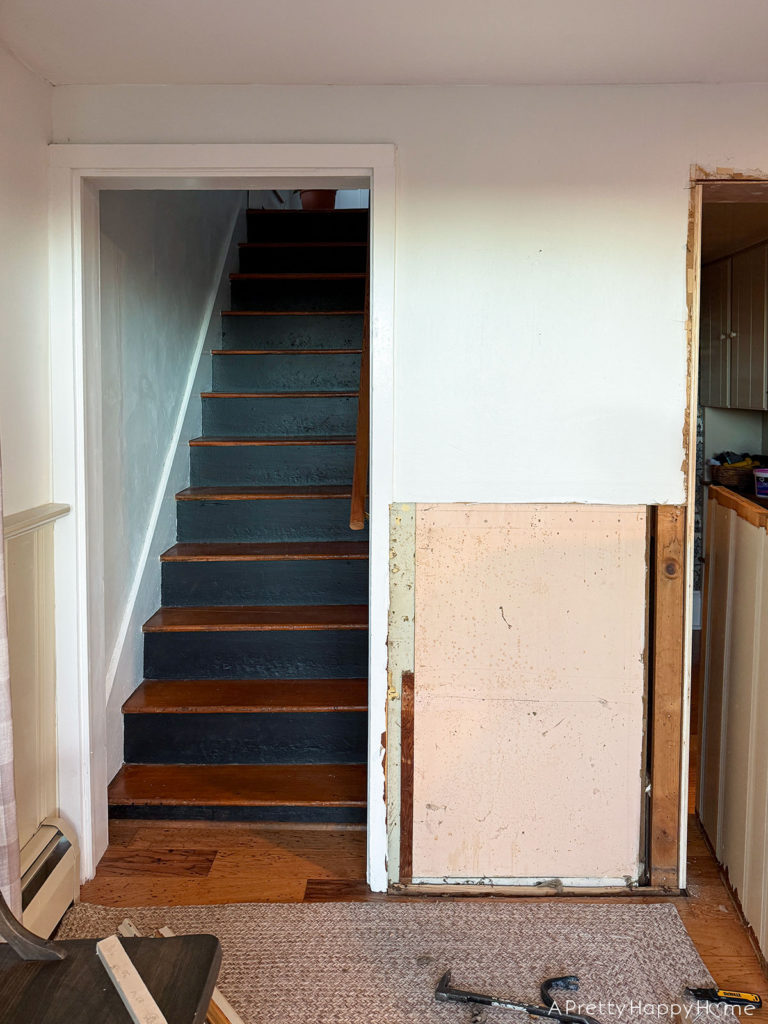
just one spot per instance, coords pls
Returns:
(288, 863)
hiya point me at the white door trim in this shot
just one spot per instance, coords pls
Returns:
(77, 174)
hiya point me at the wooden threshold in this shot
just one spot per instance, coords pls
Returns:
(240, 785)
(470, 891)
(250, 551)
(261, 493)
(246, 696)
(244, 442)
(226, 618)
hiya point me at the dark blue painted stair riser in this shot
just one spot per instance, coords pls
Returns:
(308, 226)
(309, 331)
(174, 812)
(286, 519)
(300, 371)
(327, 330)
(294, 581)
(257, 465)
(329, 737)
(344, 294)
(280, 417)
(257, 654)
(303, 259)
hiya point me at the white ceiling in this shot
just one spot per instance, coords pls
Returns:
(389, 42)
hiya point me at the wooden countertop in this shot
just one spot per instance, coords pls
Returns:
(749, 507)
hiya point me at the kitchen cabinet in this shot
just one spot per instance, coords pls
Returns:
(732, 801)
(748, 324)
(733, 339)
(714, 340)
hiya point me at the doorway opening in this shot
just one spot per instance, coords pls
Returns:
(249, 699)
(79, 174)
(727, 785)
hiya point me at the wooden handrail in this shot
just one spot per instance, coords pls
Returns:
(360, 474)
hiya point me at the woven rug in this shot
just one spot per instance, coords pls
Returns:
(378, 963)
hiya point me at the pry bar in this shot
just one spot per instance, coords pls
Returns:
(445, 993)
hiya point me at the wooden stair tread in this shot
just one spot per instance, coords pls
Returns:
(302, 245)
(251, 785)
(261, 493)
(250, 551)
(286, 351)
(278, 394)
(228, 696)
(292, 312)
(304, 275)
(243, 442)
(224, 618)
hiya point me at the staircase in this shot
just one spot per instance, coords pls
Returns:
(254, 702)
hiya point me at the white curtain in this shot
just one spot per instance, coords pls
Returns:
(10, 881)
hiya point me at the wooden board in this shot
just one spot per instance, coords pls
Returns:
(258, 617)
(668, 600)
(262, 493)
(251, 785)
(406, 777)
(180, 973)
(249, 551)
(207, 696)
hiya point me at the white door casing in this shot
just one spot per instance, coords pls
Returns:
(77, 174)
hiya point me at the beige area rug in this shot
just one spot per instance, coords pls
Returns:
(378, 963)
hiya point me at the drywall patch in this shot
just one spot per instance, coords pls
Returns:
(529, 687)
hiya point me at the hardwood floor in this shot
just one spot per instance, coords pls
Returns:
(172, 863)
(156, 863)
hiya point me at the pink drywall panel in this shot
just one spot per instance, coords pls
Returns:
(529, 674)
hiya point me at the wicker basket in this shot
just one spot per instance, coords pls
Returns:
(740, 478)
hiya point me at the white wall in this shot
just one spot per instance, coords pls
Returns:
(540, 293)
(163, 256)
(25, 127)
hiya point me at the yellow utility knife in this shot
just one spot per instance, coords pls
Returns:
(724, 995)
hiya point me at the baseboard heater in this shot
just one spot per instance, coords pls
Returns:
(49, 876)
